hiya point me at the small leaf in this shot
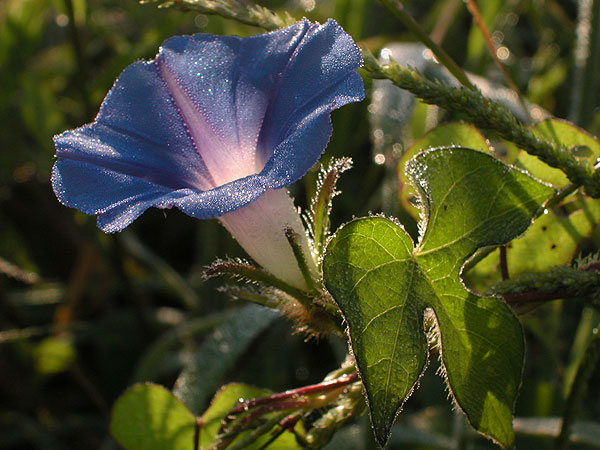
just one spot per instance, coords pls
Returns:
(54, 355)
(149, 417)
(384, 286)
(321, 203)
(448, 134)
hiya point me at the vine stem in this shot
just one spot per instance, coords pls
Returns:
(305, 398)
(487, 114)
(313, 389)
(503, 263)
(409, 22)
(197, 427)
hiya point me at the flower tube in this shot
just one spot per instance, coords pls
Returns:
(216, 126)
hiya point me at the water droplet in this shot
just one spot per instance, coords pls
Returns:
(386, 54)
(379, 158)
(503, 53)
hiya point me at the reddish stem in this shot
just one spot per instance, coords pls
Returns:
(199, 423)
(295, 393)
(592, 266)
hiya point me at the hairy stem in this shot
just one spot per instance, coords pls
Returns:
(242, 11)
(488, 114)
(256, 275)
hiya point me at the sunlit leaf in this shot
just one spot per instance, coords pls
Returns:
(384, 286)
(448, 134)
(54, 355)
(554, 237)
(149, 417)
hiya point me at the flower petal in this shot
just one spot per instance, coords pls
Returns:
(118, 199)
(320, 77)
(210, 125)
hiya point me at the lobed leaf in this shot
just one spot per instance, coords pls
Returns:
(384, 286)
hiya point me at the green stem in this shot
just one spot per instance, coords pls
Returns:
(248, 295)
(256, 275)
(197, 426)
(488, 114)
(584, 373)
(259, 431)
(459, 431)
(559, 282)
(409, 22)
(588, 321)
(242, 11)
(587, 63)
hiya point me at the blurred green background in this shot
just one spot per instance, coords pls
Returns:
(83, 314)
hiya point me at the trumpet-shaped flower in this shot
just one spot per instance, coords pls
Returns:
(215, 126)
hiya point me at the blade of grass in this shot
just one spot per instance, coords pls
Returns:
(409, 22)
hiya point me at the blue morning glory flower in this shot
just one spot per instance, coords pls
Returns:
(215, 126)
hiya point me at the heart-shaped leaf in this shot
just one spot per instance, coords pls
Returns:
(149, 417)
(384, 285)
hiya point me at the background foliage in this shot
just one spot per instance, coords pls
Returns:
(83, 315)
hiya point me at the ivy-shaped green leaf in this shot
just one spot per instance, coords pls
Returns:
(384, 286)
